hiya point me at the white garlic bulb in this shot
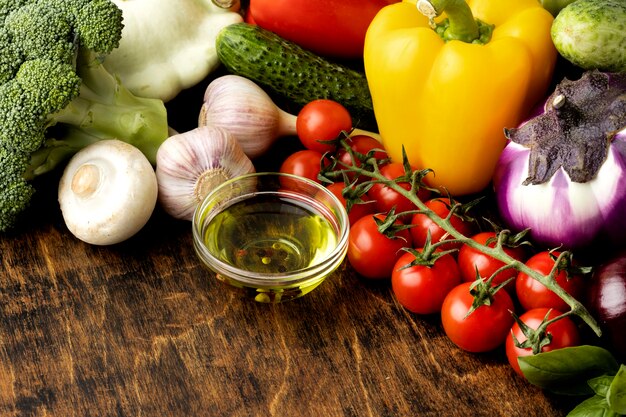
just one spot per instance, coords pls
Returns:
(191, 164)
(247, 111)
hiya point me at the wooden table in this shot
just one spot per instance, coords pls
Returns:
(141, 329)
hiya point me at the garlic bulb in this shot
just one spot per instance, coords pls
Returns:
(245, 110)
(191, 164)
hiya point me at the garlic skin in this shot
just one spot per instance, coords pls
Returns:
(247, 111)
(191, 164)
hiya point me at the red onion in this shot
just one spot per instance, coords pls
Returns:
(563, 173)
(607, 301)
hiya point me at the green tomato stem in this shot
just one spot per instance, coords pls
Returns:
(496, 252)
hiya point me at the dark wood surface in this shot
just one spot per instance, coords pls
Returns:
(141, 329)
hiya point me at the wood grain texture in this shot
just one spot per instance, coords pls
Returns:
(141, 329)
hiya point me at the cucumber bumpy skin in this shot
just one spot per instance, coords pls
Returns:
(592, 34)
(292, 72)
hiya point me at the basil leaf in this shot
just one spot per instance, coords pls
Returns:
(616, 395)
(595, 406)
(566, 370)
(601, 384)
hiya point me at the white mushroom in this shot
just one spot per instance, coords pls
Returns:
(108, 192)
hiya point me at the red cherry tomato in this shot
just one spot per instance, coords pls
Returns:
(305, 163)
(471, 260)
(563, 331)
(533, 294)
(356, 210)
(386, 198)
(321, 121)
(359, 144)
(485, 328)
(421, 289)
(422, 224)
(371, 253)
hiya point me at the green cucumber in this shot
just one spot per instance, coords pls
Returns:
(592, 34)
(292, 72)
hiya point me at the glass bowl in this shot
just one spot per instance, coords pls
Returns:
(273, 236)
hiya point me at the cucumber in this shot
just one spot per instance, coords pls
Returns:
(554, 6)
(293, 72)
(592, 34)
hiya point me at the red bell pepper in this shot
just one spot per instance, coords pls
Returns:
(332, 28)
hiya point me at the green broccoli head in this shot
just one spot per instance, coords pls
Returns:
(41, 33)
(40, 88)
(8, 6)
(97, 24)
(56, 97)
(11, 57)
(16, 192)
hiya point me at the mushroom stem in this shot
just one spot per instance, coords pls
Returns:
(86, 180)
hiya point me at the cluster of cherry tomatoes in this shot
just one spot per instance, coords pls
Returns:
(430, 273)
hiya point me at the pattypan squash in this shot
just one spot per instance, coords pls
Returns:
(168, 45)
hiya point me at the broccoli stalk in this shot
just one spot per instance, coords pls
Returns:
(104, 109)
(56, 97)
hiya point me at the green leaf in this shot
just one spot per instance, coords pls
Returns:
(567, 370)
(595, 406)
(600, 385)
(616, 395)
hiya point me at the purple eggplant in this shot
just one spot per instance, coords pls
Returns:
(563, 173)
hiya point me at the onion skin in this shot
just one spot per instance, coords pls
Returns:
(579, 216)
(607, 301)
(560, 212)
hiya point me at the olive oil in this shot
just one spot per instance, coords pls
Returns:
(271, 234)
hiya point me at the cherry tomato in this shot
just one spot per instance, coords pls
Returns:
(471, 260)
(563, 331)
(320, 121)
(371, 253)
(421, 289)
(386, 198)
(422, 224)
(356, 210)
(485, 328)
(305, 163)
(359, 144)
(533, 294)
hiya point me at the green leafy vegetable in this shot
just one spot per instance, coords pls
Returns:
(595, 406)
(566, 371)
(582, 370)
(616, 394)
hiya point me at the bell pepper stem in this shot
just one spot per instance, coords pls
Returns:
(461, 23)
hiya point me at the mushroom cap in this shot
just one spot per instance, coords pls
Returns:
(108, 192)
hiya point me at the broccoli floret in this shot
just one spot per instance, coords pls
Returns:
(16, 190)
(56, 97)
(54, 42)
(40, 88)
(10, 57)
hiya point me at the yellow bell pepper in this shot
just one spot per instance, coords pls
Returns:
(447, 93)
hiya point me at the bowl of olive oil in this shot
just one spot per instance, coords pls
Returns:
(272, 236)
